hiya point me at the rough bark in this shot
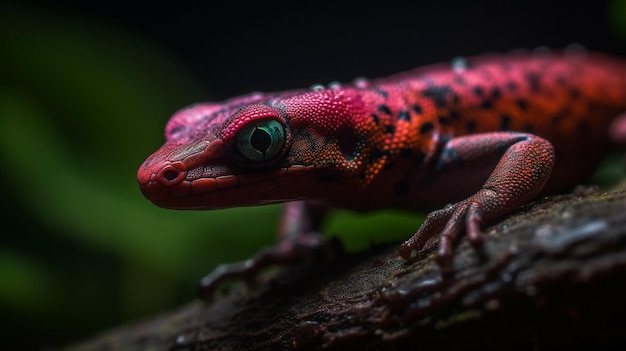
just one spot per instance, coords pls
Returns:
(551, 279)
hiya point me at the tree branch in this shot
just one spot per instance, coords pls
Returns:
(553, 278)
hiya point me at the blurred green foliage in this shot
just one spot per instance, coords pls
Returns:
(616, 15)
(82, 103)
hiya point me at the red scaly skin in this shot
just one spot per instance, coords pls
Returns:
(486, 134)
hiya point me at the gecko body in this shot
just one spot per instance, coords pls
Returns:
(484, 134)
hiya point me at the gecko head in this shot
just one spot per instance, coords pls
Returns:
(226, 155)
(211, 150)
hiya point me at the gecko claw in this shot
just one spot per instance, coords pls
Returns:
(304, 247)
(448, 223)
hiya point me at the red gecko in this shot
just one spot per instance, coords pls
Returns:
(485, 134)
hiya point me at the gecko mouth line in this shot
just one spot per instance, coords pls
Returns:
(206, 193)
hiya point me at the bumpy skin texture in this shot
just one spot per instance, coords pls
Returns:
(485, 134)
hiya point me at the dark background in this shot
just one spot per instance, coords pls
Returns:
(88, 87)
(233, 48)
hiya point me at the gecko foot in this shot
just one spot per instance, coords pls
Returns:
(304, 247)
(448, 222)
(518, 177)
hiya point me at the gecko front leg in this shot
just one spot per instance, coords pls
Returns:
(298, 239)
(524, 166)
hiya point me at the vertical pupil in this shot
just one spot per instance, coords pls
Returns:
(260, 140)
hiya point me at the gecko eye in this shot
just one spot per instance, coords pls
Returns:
(261, 140)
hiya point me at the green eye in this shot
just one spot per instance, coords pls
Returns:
(261, 140)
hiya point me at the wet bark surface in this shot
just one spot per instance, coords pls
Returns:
(552, 278)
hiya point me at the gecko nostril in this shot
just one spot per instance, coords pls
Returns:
(171, 175)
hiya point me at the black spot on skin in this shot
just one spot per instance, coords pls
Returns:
(560, 80)
(404, 115)
(347, 142)
(470, 126)
(384, 109)
(445, 120)
(496, 93)
(426, 127)
(390, 129)
(375, 154)
(556, 119)
(440, 95)
(454, 115)
(375, 118)
(406, 153)
(486, 105)
(382, 92)
(417, 109)
(522, 104)
(478, 91)
(534, 81)
(563, 114)
(401, 188)
(574, 93)
(505, 122)
(512, 86)
(362, 175)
